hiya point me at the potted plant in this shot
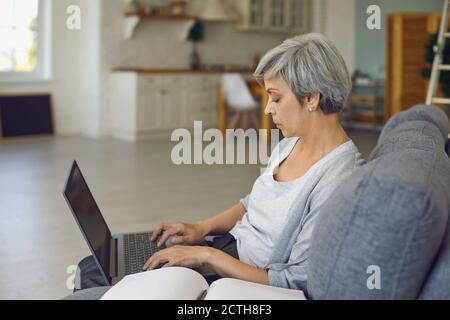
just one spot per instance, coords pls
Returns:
(444, 79)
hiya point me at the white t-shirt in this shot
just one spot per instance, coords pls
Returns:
(269, 202)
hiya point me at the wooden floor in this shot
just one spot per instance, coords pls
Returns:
(135, 184)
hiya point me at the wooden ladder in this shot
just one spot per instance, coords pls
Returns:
(438, 65)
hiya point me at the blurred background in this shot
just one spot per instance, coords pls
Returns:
(106, 82)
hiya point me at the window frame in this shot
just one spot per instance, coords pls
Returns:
(42, 72)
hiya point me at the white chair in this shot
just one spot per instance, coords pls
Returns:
(239, 99)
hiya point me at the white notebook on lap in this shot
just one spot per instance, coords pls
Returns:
(177, 283)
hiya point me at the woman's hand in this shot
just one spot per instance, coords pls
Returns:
(180, 256)
(182, 233)
(194, 257)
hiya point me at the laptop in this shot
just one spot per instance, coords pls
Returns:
(116, 255)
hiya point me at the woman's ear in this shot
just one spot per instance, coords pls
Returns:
(315, 98)
(313, 101)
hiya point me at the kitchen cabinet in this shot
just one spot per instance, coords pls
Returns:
(284, 16)
(153, 104)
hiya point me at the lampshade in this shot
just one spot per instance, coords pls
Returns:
(217, 10)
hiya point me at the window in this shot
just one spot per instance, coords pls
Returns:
(22, 39)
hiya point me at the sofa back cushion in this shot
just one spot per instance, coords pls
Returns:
(437, 283)
(379, 234)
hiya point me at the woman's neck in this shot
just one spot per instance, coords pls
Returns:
(324, 136)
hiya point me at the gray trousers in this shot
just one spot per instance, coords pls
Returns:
(94, 286)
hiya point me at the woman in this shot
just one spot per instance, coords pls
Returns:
(269, 230)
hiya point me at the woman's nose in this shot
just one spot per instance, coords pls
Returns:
(267, 109)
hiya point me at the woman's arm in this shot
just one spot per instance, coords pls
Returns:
(224, 221)
(185, 233)
(228, 267)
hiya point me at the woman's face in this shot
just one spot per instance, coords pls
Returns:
(287, 113)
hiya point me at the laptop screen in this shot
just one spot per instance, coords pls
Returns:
(89, 217)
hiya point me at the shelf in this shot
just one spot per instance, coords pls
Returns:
(160, 17)
(178, 71)
(133, 19)
(371, 100)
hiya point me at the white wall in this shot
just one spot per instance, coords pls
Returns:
(89, 72)
(340, 27)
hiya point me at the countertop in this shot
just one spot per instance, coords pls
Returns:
(182, 70)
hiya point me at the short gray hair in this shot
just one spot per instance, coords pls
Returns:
(309, 64)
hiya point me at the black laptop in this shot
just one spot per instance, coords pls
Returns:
(116, 255)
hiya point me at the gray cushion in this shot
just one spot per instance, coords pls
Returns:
(391, 213)
(421, 112)
(437, 284)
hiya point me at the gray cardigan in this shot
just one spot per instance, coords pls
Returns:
(287, 265)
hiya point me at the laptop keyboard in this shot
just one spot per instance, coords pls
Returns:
(138, 249)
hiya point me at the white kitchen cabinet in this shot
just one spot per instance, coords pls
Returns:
(300, 16)
(284, 16)
(256, 12)
(278, 14)
(153, 105)
(150, 114)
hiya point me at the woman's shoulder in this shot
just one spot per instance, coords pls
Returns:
(343, 160)
(351, 154)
